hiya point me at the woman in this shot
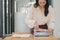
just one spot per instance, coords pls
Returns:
(40, 16)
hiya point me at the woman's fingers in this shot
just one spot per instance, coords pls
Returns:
(36, 27)
(50, 30)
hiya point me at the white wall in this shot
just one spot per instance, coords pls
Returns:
(20, 25)
(57, 17)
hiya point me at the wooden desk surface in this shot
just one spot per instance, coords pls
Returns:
(30, 38)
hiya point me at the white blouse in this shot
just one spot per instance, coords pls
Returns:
(35, 15)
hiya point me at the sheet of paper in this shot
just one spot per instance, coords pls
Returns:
(21, 35)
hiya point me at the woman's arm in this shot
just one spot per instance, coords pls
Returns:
(29, 19)
(51, 22)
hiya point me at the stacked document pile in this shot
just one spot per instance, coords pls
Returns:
(41, 33)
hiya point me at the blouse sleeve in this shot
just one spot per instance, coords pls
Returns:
(29, 19)
(51, 22)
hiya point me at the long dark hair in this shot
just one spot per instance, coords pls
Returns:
(46, 6)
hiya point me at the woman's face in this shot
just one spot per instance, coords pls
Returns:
(42, 3)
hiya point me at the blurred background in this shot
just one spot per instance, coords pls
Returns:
(13, 14)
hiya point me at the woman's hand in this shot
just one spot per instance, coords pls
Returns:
(36, 27)
(50, 30)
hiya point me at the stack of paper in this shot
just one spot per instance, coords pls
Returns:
(39, 33)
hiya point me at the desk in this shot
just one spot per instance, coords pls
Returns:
(31, 38)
